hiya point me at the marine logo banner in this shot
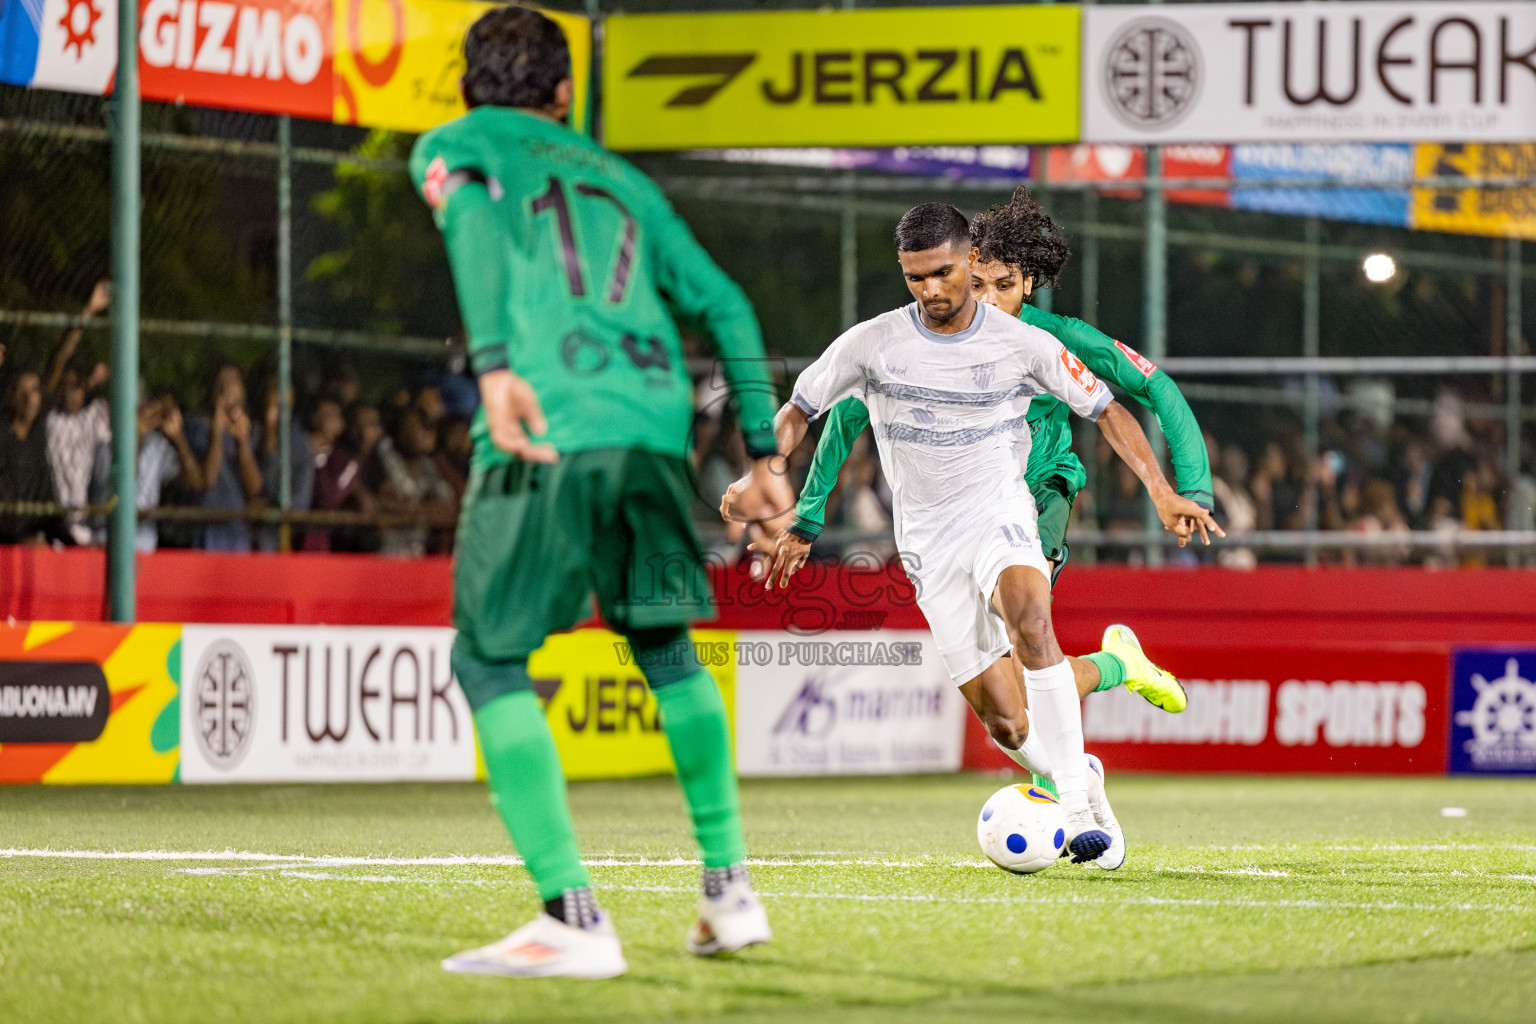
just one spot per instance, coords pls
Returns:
(971, 75)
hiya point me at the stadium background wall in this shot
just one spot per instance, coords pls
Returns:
(1290, 669)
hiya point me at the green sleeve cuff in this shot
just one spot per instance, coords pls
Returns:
(1205, 499)
(805, 529)
(488, 359)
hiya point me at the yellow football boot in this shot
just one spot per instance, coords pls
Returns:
(1158, 686)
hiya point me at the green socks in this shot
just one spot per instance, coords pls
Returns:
(1047, 785)
(693, 717)
(1111, 669)
(528, 790)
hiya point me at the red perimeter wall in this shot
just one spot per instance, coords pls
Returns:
(1369, 631)
(1204, 608)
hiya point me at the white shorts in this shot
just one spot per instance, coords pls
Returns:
(955, 589)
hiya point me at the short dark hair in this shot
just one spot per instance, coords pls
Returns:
(1020, 234)
(514, 57)
(931, 226)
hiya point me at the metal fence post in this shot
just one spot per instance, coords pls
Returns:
(285, 326)
(848, 249)
(126, 184)
(1311, 327)
(1155, 300)
(1513, 313)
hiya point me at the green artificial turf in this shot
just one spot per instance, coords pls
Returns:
(1244, 899)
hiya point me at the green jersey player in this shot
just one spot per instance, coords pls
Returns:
(568, 264)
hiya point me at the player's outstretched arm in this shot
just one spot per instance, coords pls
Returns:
(1177, 513)
(1128, 370)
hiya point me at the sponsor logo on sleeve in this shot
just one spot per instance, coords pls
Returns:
(1079, 373)
(1141, 362)
(432, 184)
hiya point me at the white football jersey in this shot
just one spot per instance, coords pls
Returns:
(949, 411)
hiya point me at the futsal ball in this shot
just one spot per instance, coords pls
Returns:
(1022, 829)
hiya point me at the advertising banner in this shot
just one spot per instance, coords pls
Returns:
(1353, 162)
(318, 704)
(1085, 163)
(1506, 212)
(270, 56)
(967, 75)
(398, 62)
(381, 63)
(603, 715)
(851, 703)
(1283, 710)
(88, 703)
(1275, 72)
(1493, 710)
(1004, 163)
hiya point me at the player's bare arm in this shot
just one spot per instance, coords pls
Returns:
(1177, 513)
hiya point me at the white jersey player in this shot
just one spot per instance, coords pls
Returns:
(948, 382)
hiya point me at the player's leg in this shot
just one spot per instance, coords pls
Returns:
(1023, 593)
(997, 698)
(1120, 661)
(520, 572)
(651, 581)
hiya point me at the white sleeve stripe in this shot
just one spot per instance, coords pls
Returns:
(1102, 403)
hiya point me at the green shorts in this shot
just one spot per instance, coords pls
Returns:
(534, 541)
(1053, 505)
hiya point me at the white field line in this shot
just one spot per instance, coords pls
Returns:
(620, 860)
(1141, 901)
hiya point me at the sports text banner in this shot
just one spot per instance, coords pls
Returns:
(398, 62)
(1282, 72)
(88, 703)
(971, 75)
(1509, 212)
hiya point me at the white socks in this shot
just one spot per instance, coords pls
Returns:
(1056, 724)
(1031, 756)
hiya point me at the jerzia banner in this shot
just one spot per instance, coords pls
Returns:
(969, 75)
(1353, 72)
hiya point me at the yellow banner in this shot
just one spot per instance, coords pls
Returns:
(89, 703)
(398, 62)
(603, 716)
(1504, 212)
(932, 76)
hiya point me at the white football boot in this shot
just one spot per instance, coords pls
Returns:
(1098, 801)
(547, 947)
(730, 921)
(1086, 840)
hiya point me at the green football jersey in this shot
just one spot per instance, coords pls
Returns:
(570, 265)
(1050, 452)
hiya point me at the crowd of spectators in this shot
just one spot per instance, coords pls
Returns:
(396, 469)
(399, 465)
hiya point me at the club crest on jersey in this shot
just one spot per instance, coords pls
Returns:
(1141, 362)
(432, 184)
(983, 374)
(1079, 373)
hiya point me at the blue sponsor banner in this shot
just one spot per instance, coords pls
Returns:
(1345, 162)
(1493, 710)
(20, 22)
(954, 162)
